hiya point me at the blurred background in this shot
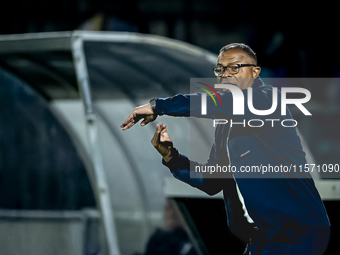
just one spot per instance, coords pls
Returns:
(71, 182)
(290, 38)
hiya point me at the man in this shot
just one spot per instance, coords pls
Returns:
(282, 214)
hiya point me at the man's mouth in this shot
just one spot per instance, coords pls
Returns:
(228, 81)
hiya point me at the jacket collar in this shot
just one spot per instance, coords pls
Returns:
(257, 83)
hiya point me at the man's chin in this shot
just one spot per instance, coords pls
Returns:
(227, 90)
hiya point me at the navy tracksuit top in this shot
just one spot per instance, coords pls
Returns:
(273, 199)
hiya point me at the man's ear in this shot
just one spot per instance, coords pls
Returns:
(256, 71)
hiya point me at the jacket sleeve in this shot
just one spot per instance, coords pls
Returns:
(185, 170)
(191, 105)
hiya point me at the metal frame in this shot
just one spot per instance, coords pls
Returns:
(101, 185)
(73, 41)
(35, 42)
(82, 76)
(64, 41)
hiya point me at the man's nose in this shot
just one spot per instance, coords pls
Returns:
(226, 74)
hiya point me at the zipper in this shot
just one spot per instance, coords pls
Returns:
(228, 145)
(239, 194)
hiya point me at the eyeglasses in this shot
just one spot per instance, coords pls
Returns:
(232, 69)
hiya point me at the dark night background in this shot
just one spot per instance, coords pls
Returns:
(292, 39)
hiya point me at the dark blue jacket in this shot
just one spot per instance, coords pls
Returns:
(272, 199)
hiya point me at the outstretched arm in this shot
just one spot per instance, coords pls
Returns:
(178, 105)
(181, 167)
(217, 106)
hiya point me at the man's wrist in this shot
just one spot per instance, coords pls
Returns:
(173, 159)
(167, 157)
(153, 106)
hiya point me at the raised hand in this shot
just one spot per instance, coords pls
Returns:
(144, 112)
(162, 141)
